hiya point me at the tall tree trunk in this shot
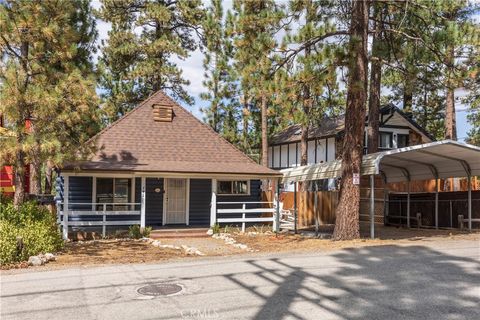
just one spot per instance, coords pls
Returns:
(375, 88)
(36, 165)
(408, 85)
(19, 174)
(304, 145)
(264, 131)
(347, 213)
(36, 176)
(19, 167)
(245, 115)
(307, 101)
(48, 177)
(450, 117)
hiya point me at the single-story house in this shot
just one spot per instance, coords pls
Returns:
(161, 164)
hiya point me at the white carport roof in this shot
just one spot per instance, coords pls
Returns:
(441, 159)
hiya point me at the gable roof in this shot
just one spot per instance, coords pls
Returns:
(329, 127)
(136, 142)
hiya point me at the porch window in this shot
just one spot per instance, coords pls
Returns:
(233, 187)
(113, 190)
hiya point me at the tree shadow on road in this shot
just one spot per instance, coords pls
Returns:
(369, 283)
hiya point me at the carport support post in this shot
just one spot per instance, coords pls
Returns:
(469, 181)
(372, 206)
(408, 203)
(315, 207)
(142, 202)
(277, 207)
(436, 203)
(295, 215)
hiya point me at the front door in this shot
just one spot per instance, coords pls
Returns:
(176, 201)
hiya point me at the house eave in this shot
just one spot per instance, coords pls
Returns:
(165, 173)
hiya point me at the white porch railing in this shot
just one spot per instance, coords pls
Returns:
(115, 211)
(243, 211)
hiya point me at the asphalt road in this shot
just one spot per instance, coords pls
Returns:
(438, 280)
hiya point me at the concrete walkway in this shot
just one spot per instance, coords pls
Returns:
(424, 280)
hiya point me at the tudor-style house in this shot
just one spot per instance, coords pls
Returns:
(397, 130)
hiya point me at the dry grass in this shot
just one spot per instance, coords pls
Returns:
(113, 251)
(384, 236)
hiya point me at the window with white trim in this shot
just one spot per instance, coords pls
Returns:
(113, 190)
(233, 187)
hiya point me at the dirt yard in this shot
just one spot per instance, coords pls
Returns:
(383, 236)
(102, 252)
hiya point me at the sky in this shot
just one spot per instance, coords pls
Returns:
(192, 69)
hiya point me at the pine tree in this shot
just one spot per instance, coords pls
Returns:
(255, 25)
(146, 39)
(376, 57)
(347, 212)
(41, 78)
(308, 83)
(473, 98)
(430, 40)
(220, 76)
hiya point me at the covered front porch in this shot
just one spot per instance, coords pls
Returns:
(104, 201)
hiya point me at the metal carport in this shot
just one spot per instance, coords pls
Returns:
(435, 160)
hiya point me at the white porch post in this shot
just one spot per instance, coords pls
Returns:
(469, 181)
(408, 204)
(213, 205)
(372, 206)
(436, 203)
(142, 202)
(65, 207)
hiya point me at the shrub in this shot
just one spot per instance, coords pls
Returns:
(135, 232)
(216, 228)
(27, 230)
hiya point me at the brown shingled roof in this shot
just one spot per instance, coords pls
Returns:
(138, 143)
(325, 128)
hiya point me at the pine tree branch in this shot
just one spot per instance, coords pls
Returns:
(293, 52)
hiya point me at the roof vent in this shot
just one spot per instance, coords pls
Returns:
(162, 113)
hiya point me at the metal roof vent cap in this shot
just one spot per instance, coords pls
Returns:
(162, 113)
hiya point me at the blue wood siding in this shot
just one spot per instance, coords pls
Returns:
(200, 198)
(254, 196)
(80, 191)
(154, 202)
(138, 193)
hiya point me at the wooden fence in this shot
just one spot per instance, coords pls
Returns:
(326, 205)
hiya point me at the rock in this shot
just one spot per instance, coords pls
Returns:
(199, 253)
(50, 257)
(35, 261)
(210, 232)
(43, 258)
(156, 243)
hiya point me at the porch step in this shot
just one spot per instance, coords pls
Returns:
(179, 233)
